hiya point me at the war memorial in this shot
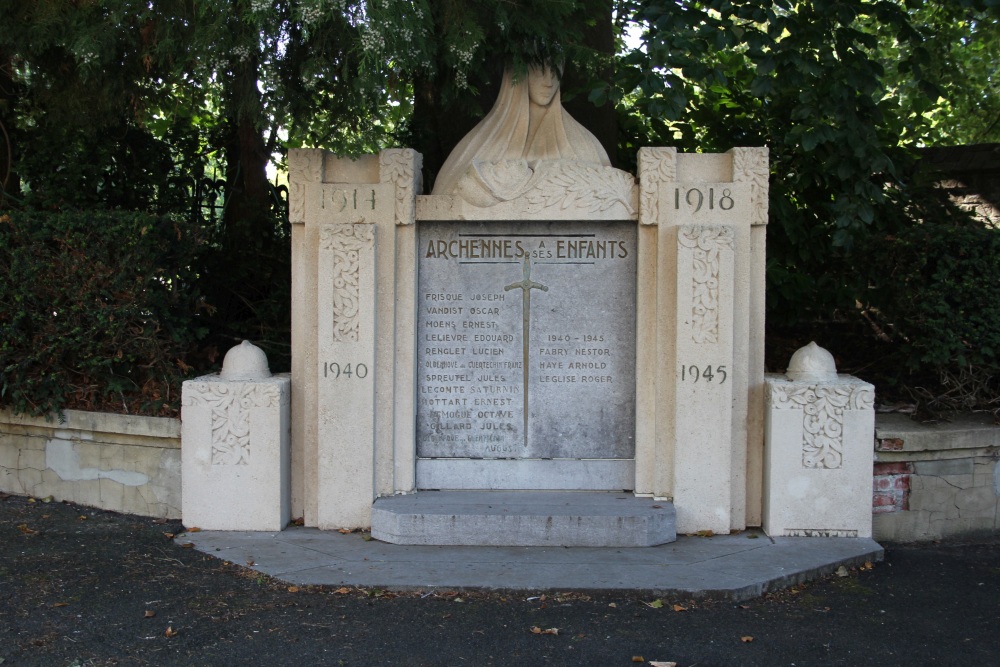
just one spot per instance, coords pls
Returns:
(544, 350)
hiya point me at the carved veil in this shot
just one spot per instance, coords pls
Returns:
(506, 135)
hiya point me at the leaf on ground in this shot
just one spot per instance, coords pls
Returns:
(299, 521)
(60, 604)
(344, 531)
(705, 533)
(367, 537)
(187, 545)
(678, 607)
(82, 517)
(867, 566)
(47, 499)
(535, 630)
(343, 590)
(842, 571)
(638, 658)
(655, 604)
(170, 632)
(613, 605)
(196, 529)
(250, 562)
(149, 614)
(293, 589)
(23, 527)
(746, 639)
(169, 536)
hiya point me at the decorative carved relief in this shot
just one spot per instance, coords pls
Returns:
(706, 245)
(656, 166)
(823, 421)
(549, 184)
(401, 167)
(305, 165)
(231, 403)
(750, 165)
(593, 189)
(346, 242)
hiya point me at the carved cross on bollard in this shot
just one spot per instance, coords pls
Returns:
(525, 285)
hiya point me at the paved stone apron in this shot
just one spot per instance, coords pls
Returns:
(739, 566)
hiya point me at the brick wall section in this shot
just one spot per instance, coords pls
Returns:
(889, 445)
(891, 487)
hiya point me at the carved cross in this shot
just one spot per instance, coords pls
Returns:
(525, 285)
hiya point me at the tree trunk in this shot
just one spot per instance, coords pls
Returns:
(9, 182)
(600, 37)
(247, 217)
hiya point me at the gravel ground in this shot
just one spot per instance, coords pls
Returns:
(83, 587)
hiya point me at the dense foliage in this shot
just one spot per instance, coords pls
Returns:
(98, 308)
(936, 298)
(123, 105)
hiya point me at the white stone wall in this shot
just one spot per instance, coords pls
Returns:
(123, 463)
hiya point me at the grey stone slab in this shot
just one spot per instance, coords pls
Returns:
(725, 566)
(552, 474)
(963, 466)
(526, 340)
(492, 518)
(961, 431)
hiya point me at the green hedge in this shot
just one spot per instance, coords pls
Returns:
(97, 308)
(936, 291)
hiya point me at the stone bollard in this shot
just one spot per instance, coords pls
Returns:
(818, 440)
(235, 468)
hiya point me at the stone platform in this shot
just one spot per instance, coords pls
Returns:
(736, 567)
(523, 519)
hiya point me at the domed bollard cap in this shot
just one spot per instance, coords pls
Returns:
(812, 364)
(245, 362)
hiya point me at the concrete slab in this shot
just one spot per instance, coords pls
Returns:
(520, 518)
(737, 567)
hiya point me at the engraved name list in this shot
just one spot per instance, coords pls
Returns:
(526, 340)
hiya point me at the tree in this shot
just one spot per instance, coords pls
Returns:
(807, 79)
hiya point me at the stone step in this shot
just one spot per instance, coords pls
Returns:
(524, 518)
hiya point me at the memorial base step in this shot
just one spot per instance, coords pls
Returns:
(524, 518)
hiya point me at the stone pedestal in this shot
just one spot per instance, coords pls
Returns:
(235, 472)
(819, 431)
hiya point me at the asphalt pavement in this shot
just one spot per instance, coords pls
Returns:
(84, 587)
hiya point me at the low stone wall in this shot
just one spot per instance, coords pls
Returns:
(930, 481)
(935, 481)
(123, 463)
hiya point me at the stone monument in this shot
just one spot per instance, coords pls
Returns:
(540, 322)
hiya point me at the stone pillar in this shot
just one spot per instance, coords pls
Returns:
(700, 355)
(701, 371)
(352, 331)
(819, 434)
(235, 469)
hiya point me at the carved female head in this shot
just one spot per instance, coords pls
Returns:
(543, 85)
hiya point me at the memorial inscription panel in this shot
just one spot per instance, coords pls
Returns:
(526, 340)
